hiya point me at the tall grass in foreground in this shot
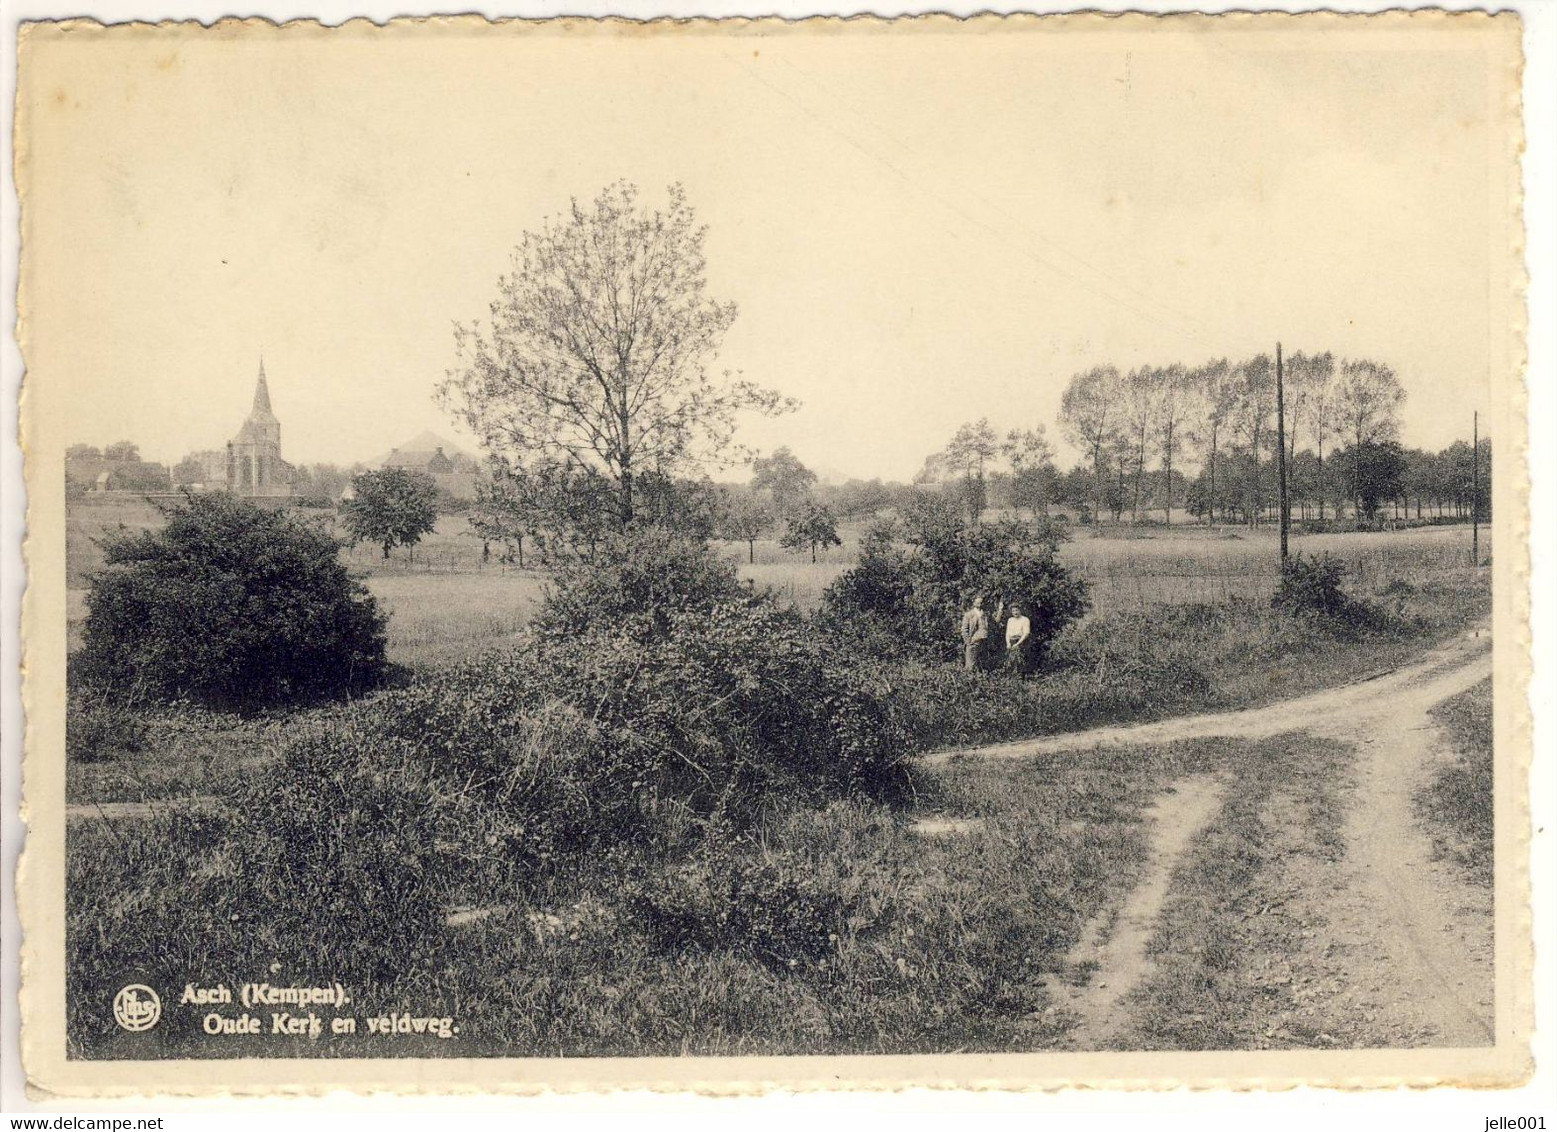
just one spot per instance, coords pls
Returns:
(831, 929)
(1458, 802)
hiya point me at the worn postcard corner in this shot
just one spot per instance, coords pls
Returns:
(718, 556)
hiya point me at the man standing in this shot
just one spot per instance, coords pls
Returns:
(1018, 629)
(975, 631)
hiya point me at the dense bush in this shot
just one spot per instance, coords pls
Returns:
(637, 581)
(1310, 588)
(230, 605)
(904, 602)
(1311, 585)
(644, 714)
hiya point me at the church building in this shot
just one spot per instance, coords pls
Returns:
(254, 465)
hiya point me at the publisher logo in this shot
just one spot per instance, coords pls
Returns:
(137, 1007)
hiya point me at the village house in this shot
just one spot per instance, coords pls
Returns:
(91, 471)
(454, 472)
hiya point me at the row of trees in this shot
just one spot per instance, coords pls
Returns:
(593, 390)
(1372, 477)
(120, 451)
(1127, 422)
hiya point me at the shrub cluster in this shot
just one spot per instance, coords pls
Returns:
(902, 602)
(232, 606)
(1310, 587)
(655, 703)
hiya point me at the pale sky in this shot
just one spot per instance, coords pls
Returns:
(918, 229)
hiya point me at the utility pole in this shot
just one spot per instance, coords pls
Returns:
(1281, 452)
(1475, 488)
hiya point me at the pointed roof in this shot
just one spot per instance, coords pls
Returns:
(262, 411)
(418, 450)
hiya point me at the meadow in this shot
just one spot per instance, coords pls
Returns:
(853, 930)
(854, 925)
(446, 601)
(1457, 803)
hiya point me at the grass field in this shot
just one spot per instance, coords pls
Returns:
(445, 602)
(842, 927)
(898, 941)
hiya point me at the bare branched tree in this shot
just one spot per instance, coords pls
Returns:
(598, 345)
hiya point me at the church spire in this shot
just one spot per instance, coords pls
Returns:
(262, 395)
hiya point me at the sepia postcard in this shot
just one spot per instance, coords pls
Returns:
(721, 555)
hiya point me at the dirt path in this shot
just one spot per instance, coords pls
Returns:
(1430, 970)
(1406, 938)
(1114, 947)
(1441, 673)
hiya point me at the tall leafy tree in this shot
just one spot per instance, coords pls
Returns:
(1368, 396)
(744, 516)
(814, 525)
(971, 448)
(1376, 470)
(1213, 397)
(1252, 420)
(1321, 408)
(187, 471)
(598, 347)
(126, 451)
(1140, 413)
(1030, 457)
(783, 477)
(1419, 478)
(1173, 405)
(1307, 381)
(1090, 418)
(858, 499)
(391, 507)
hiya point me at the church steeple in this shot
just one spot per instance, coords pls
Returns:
(262, 409)
(254, 463)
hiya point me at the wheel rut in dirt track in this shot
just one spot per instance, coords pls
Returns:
(1115, 945)
(1415, 936)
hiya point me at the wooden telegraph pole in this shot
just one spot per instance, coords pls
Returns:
(1475, 488)
(1281, 452)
